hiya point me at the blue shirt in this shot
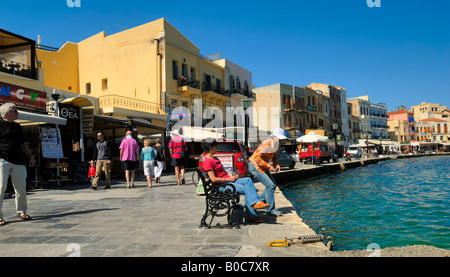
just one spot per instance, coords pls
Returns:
(148, 154)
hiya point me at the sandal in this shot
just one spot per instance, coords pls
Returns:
(24, 216)
(2, 221)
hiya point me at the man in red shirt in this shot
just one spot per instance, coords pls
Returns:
(178, 147)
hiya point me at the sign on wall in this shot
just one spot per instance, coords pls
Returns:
(22, 97)
(87, 119)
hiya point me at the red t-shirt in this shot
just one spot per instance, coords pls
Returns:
(177, 144)
(216, 166)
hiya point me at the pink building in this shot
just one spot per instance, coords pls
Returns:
(401, 125)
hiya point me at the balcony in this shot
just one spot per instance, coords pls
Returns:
(288, 107)
(311, 108)
(109, 103)
(17, 69)
(188, 87)
(301, 109)
(212, 91)
(16, 48)
(244, 92)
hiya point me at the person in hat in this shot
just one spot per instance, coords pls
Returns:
(260, 167)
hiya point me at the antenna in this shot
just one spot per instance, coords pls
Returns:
(122, 28)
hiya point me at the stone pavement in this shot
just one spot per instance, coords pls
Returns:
(162, 221)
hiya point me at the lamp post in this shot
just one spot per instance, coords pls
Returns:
(381, 146)
(366, 134)
(335, 128)
(245, 103)
(55, 96)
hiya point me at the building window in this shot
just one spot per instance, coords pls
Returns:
(88, 88)
(218, 84)
(104, 84)
(184, 70)
(193, 74)
(173, 103)
(175, 70)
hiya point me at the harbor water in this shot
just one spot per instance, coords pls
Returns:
(390, 204)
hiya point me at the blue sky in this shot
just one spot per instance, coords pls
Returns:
(398, 54)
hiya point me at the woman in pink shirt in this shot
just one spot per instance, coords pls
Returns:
(217, 174)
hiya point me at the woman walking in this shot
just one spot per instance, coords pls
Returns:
(160, 160)
(148, 158)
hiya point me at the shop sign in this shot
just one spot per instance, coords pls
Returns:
(87, 119)
(68, 112)
(23, 97)
(178, 115)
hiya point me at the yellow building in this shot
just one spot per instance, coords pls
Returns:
(139, 72)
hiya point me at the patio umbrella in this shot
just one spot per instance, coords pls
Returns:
(312, 137)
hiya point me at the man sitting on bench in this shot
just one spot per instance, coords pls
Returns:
(217, 174)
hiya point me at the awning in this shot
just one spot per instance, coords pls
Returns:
(44, 118)
(77, 101)
(126, 121)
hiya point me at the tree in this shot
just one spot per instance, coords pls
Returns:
(402, 108)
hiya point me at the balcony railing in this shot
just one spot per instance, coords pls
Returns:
(210, 87)
(190, 83)
(242, 91)
(117, 101)
(18, 69)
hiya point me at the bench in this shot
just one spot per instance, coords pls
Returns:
(221, 200)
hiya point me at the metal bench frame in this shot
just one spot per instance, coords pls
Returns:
(219, 202)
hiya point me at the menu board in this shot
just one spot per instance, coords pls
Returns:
(51, 143)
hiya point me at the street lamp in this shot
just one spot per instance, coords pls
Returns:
(335, 128)
(245, 103)
(366, 134)
(55, 96)
(381, 146)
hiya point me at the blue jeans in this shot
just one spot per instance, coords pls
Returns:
(269, 182)
(245, 186)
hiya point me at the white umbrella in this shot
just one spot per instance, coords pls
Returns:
(312, 137)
